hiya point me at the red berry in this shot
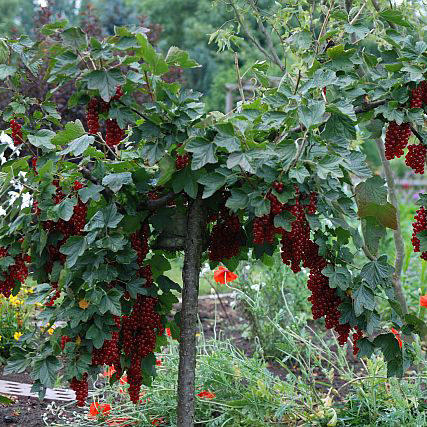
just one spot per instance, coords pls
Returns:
(396, 139)
(416, 157)
(92, 116)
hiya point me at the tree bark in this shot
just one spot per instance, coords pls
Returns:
(397, 234)
(187, 347)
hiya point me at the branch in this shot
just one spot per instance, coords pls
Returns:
(239, 79)
(416, 133)
(106, 192)
(268, 38)
(152, 205)
(397, 234)
(251, 37)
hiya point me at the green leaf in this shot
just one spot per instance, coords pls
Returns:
(284, 220)
(203, 152)
(238, 200)
(157, 64)
(339, 277)
(111, 302)
(167, 284)
(45, 370)
(6, 400)
(226, 138)
(167, 168)
(366, 348)
(373, 232)
(394, 16)
(92, 191)
(300, 173)
(385, 214)
(364, 298)
(329, 165)
(111, 217)
(115, 181)
(74, 247)
(389, 346)
(240, 159)
(74, 37)
(261, 205)
(105, 81)
(186, 180)
(6, 71)
(78, 146)
(180, 58)
(312, 114)
(42, 139)
(212, 183)
(377, 272)
(65, 209)
(72, 131)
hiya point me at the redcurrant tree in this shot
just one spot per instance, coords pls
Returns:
(100, 207)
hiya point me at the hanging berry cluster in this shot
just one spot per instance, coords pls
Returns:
(420, 224)
(113, 133)
(182, 161)
(16, 132)
(80, 387)
(397, 136)
(226, 237)
(73, 227)
(16, 272)
(298, 250)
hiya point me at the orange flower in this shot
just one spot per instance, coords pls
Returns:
(158, 362)
(397, 335)
(423, 300)
(96, 408)
(168, 332)
(224, 275)
(157, 421)
(109, 372)
(206, 395)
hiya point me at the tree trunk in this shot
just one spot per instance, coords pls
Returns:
(187, 346)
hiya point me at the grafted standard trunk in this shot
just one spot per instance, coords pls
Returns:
(187, 346)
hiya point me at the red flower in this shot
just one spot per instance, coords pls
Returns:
(206, 395)
(423, 300)
(109, 372)
(96, 408)
(157, 421)
(124, 379)
(168, 332)
(397, 335)
(224, 275)
(158, 362)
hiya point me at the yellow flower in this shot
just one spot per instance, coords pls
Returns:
(50, 331)
(0, 337)
(17, 335)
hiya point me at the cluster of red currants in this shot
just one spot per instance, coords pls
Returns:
(182, 161)
(113, 133)
(139, 332)
(357, 335)
(73, 227)
(226, 236)
(420, 224)
(109, 353)
(16, 132)
(397, 136)
(80, 387)
(16, 272)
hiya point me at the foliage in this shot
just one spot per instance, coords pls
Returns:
(107, 209)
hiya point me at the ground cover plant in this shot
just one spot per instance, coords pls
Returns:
(102, 206)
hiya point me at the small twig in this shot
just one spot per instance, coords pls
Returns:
(298, 81)
(358, 13)
(416, 133)
(325, 22)
(157, 203)
(106, 192)
(239, 79)
(150, 91)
